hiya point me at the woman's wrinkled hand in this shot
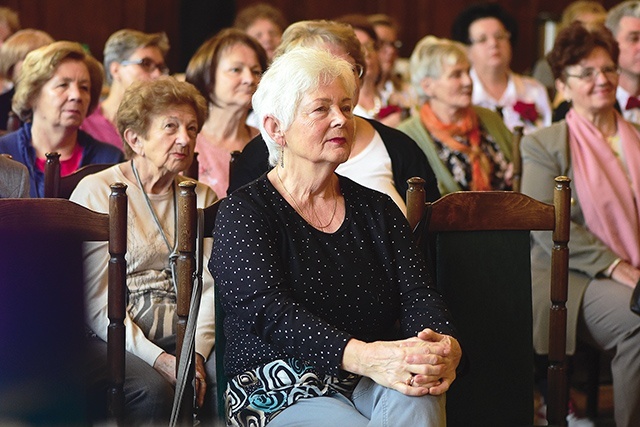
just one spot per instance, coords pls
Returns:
(448, 347)
(415, 366)
(201, 380)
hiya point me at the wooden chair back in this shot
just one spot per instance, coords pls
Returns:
(188, 241)
(66, 223)
(480, 244)
(62, 187)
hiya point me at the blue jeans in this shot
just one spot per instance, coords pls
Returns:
(371, 405)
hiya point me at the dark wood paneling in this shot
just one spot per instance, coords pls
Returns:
(189, 22)
(419, 18)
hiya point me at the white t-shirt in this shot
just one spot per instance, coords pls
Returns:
(372, 169)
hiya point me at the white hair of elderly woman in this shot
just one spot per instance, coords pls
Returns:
(429, 58)
(288, 79)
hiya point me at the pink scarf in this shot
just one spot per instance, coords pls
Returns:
(608, 201)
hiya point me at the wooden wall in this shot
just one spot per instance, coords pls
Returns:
(189, 22)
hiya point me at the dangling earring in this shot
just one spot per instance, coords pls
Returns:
(282, 156)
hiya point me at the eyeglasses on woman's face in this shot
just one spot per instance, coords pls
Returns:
(590, 74)
(147, 64)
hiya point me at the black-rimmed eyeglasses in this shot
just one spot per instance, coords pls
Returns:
(147, 64)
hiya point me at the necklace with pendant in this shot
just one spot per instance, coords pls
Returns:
(299, 210)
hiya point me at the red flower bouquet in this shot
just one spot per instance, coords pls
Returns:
(527, 111)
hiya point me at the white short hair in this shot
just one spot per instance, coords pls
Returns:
(288, 79)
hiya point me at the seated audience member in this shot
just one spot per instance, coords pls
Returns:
(468, 147)
(320, 326)
(489, 31)
(9, 23)
(14, 179)
(226, 70)
(58, 85)
(381, 158)
(264, 23)
(159, 121)
(623, 21)
(591, 14)
(394, 89)
(370, 104)
(600, 152)
(12, 54)
(129, 56)
(588, 13)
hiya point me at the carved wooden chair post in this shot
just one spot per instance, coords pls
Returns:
(558, 387)
(52, 175)
(62, 187)
(117, 299)
(185, 270)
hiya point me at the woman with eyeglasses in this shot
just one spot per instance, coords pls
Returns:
(129, 56)
(371, 104)
(600, 152)
(394, 87)
(59, 84)
(489, 31)
(226, 70)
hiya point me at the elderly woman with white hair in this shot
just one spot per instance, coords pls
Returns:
(331, 315)
(468, 147)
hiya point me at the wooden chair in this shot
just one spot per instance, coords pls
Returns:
(57, 227)
(190, 218)
(480, 244)
(62, 187)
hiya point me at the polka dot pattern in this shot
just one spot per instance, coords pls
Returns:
(290, 290)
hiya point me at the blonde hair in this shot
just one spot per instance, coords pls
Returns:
(17, 46)
(317, 32)
(430, 56)
(41, 64)
(9, 17)
(577, 8)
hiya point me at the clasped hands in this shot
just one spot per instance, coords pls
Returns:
(417, 366)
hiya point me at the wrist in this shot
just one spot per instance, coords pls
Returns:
(352, 356)
(609, 271)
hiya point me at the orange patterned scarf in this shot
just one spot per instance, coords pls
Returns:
(467, 127)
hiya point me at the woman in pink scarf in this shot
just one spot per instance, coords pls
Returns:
(600, 152)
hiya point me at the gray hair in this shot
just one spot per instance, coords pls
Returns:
(288, 79)
(430, 56)
(121, 45)
(627, 8)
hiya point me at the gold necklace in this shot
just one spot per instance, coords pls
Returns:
(299, 210)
